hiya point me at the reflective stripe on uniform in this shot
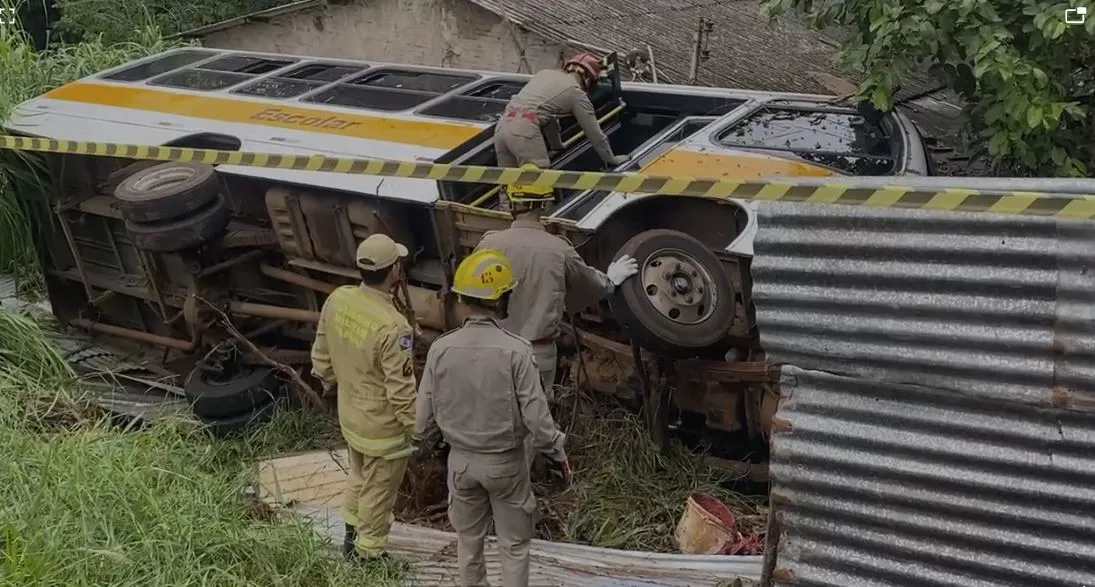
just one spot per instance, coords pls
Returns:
(391, 447)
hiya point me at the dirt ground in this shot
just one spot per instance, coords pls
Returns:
(625, 493)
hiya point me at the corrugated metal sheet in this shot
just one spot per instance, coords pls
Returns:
(742, 43)
(883, 484)
(9, 288)
(553, 564)
(995, 305)
(936, 425)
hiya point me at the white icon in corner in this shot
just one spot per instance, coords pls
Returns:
(1076, 15)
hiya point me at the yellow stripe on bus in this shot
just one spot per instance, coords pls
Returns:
(218, 109)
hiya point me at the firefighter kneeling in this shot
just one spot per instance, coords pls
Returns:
(481, 392)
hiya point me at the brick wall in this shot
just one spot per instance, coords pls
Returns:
(449, 33)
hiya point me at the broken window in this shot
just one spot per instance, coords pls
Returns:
(839, 139)
(392, 89)
(200, 79)
(300, 80)
(159, 66)
(422, 81)
(484, 103)
(221, 73)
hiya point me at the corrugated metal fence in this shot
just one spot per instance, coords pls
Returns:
(936, 426)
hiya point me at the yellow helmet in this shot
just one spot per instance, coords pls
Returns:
(485, 275)
(531, 193)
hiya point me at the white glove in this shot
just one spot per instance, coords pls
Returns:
(621, 269)
(619, 160)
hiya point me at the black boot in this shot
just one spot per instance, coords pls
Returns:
(356, 557)
(349, 546)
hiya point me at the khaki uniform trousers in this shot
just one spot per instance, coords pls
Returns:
(370, 495)
(481, 485)
(518, 141)
(547, 359)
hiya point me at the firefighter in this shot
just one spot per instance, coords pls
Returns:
(549, 269)
(549, 95)
(484, 414)
(364, 347)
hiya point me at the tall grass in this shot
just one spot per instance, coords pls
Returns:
(116, 20)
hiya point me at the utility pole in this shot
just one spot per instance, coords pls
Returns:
(700, 53)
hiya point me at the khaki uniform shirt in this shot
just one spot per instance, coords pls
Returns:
(482, 390)
(548, 271)
(553, 93)
(365, 346)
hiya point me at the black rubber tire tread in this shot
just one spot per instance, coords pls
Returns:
(175, 235)
(646, 325)
(227, 427)
(254, 387)
(171, 200)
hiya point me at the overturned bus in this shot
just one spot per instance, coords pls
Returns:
(159, 252)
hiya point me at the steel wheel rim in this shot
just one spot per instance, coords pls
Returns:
(678, 286)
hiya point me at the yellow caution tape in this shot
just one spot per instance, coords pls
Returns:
(1064, 206)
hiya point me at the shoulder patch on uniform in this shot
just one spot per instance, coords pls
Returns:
(406, 342)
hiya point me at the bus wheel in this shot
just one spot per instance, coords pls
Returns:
(682, 300)
(176, 235)
(167, 191)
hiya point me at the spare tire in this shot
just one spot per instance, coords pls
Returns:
(167, 191)
(183, 233)
(212, 396)
(682, 300)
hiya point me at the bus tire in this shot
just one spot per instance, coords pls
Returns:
(681, 303)
(229, 427)
(171, 236)
(166, 191)
(213, 397)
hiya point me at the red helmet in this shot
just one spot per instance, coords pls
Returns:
(588, 64)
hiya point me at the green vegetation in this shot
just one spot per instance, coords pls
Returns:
(114, 21)
(627, 494)
(1025, 73)
(84, 503)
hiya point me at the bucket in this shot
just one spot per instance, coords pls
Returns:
(707, 526)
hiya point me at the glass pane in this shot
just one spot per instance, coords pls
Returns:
(158, 66)
(245, 64)
(273, 87)
(322, 72)
(497, 90)
(467, 109)
(200, 79)
(802, 130)
(372, 98)
(437, 83)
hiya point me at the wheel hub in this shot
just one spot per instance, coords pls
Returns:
(678, 286)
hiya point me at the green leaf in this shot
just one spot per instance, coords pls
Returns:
(1058, 156)
(993, 114)
(1059, 28)
(1040, 75)
(1034, 116)
(881, 99)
